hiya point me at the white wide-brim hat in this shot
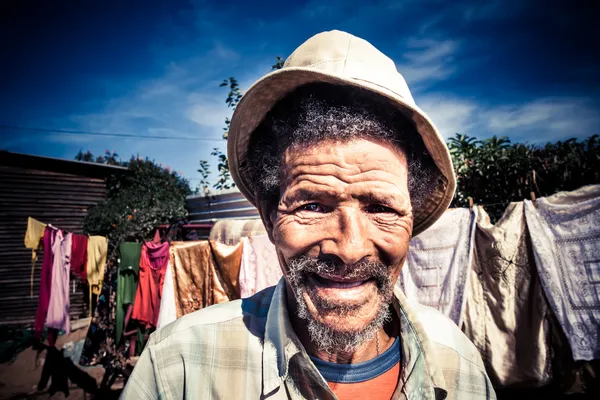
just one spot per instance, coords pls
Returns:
(342, 59)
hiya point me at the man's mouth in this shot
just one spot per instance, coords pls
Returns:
(337, 282)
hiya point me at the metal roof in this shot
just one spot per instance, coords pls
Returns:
(60, 165)
(229, 204)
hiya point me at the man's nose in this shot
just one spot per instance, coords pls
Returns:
(349, 239)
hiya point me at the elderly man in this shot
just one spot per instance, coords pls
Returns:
(344, 169)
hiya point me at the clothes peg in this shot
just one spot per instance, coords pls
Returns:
(532, 194)
(470, 203)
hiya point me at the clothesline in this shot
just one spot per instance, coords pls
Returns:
(503, 203)
(65, 254)
(493, 204)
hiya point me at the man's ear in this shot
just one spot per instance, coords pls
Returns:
(268, 214)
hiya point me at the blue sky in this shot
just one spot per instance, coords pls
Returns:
(525, 69)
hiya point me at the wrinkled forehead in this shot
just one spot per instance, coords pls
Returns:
(332, 166)
(352, 153)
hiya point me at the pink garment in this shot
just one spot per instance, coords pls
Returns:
(158, 254)
(260, 265)
(59, 305)
(45, 281)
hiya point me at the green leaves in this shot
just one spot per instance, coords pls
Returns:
(138, 200)
(224, 181)
(233, 98)
(278, 64)
(495, 171)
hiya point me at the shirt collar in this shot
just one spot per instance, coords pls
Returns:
(418, 373)
(280, 343)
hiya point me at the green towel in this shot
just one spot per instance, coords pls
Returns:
(127, 281)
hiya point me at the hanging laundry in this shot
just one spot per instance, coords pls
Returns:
(96, 263)
(231, 231)
(79, 256)
(33, 237)
(58, 316)
(228, 260)
(437, 266)
(127, 281)
(45, 281)
(34, 234)
(260, 265)
(506, 314)
(203, 274)
(168, 309)
(565, 232)
(153, 265)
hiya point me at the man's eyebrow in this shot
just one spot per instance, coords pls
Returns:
(307, 195)
(378, 198)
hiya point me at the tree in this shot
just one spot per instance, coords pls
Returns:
(234, 96)
(495, 171)
(204, 172)
(109, 157)
(137, 202)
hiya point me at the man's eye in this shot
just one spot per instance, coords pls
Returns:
(378, 209)
(312, 207)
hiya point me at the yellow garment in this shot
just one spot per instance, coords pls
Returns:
(204, 273)
(96, 263)
(35, 233)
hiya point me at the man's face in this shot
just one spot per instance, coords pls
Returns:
(342, 229)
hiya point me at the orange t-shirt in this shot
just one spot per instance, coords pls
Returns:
(381, 387)
(373, 379)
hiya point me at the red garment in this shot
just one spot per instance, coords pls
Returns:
(45, 281)
(153, 266)
(79, 256)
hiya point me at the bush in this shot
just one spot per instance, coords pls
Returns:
(138, 201)
(495, 171)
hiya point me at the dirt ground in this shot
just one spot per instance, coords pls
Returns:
(19, 379)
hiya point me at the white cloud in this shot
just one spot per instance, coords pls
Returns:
(450, 115)
(186, 101)
(428, 60)
(547, 118)
(208, 111)
(540, 120)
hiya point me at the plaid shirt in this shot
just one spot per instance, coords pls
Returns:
(247, 349)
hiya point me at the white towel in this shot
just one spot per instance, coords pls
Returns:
(168, 310)
(438, 263)
(565, 232)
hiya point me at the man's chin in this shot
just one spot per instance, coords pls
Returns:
(343, 330)
(341, 316)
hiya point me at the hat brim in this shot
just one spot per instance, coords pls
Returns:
(267, 91)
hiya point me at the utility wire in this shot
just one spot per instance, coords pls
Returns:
(126, 135)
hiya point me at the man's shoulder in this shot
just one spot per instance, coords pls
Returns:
(443, 333)
(250, 313)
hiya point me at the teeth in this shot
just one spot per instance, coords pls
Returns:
(347, 285)
(340, 285)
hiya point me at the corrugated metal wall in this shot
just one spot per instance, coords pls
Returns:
(56, 198)
(225, 205)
